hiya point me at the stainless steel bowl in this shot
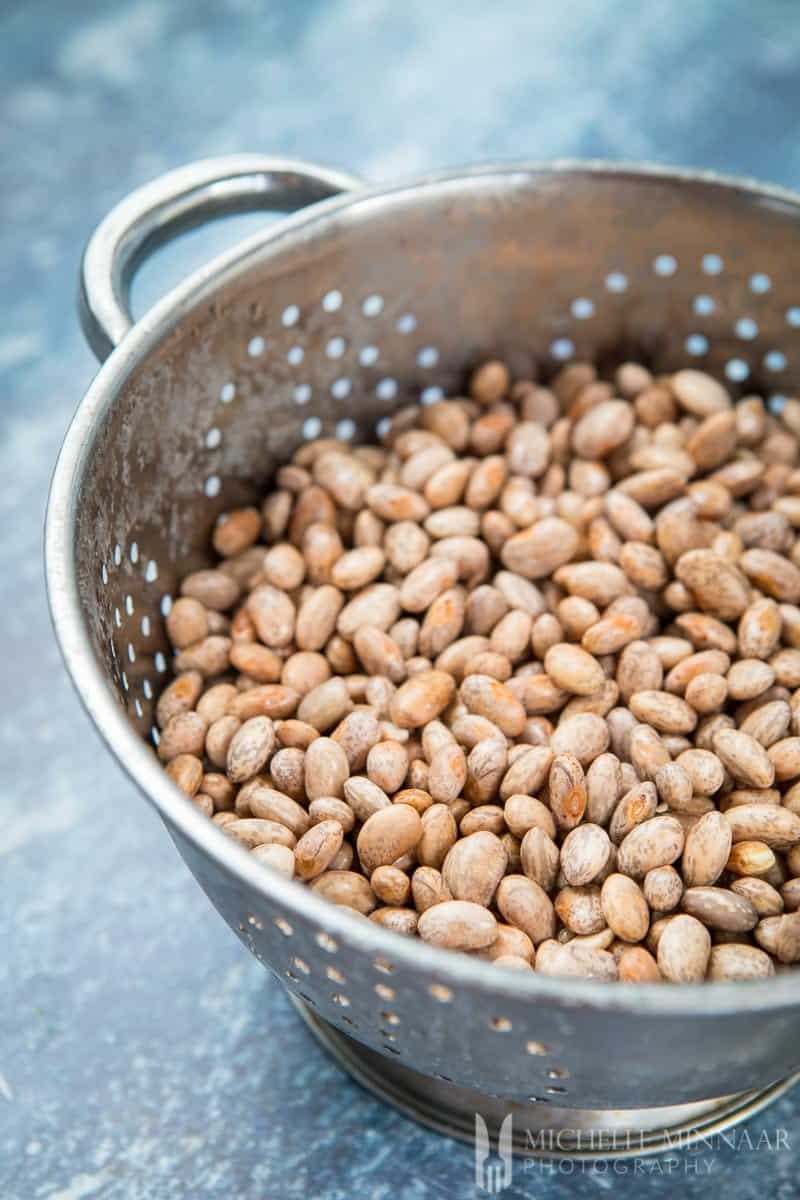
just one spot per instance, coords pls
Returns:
(329, 321)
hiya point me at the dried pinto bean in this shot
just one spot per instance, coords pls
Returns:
(535, 656)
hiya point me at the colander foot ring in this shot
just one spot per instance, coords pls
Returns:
(540, 1130)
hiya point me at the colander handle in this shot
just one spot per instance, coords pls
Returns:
(174, 203)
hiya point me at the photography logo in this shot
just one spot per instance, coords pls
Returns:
(493, 1177)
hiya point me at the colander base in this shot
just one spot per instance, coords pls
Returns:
(540, 1130)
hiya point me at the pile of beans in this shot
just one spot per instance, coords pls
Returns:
(523, 680)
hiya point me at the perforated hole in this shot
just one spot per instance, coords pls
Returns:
(311, 427)
(147, 689)
(302, 393)
(335, 347)
(372, 306)
(775, 360)
(616, 281)
(155, 735)
(290, 315)
(256, 346)
(133, 553)
(382, 426)
(326, 942)
(384, 991)
(117, 618)
(368, 355)
(227, 392)
(301, 965)
(340, 999)
(345, 429)
(145, 626)
(737, 370)
(712, 264)
(332, 301)
(125, 685)
(254, 921)
(129, 605)
(104, 574)
(165, 605)
(431, 395)
(696, 344)
(341, 388)
(151, 571)
(760, 283)
(441, 993)
(428, 356)
(283, 926)
(562, 348)
(793, 316)
(383, 965)
(557, 1073)
(746, 328)
(556, 1091)
(159, 662)
(703, 306)
(776, 403)
(137, 705)
(500, 1024)
(406, 323)
(212, 486)
(582, 308)
(665, 264)
(538, 1048)
(117, 554)
(131, 653)
(213, 438)
(386, 389)
(295, 355)
(335, 975)
(390, 1018)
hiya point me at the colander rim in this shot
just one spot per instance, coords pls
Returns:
(134, 754)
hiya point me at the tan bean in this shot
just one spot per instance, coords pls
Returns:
(750, 858)
(585, 852)
(744, 757)
(585, 736)
(421, 698)
(625, 908)
(346, 888)
(777, 827)
(573, 670)
(738, 962)
(663, 888)
(326, 768)
(488, 698)
(541, 549)
(656, 842)
(388, 834)
(276, 857)
(474, 867)
(458, 924)
(720, 908)
(526, 906)
(684, 949)
(249, 749)
(706, 850)
(567, 789)
(580, 909)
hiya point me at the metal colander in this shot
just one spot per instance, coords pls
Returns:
(327, 323)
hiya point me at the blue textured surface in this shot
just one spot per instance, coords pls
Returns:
(143, 1054)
